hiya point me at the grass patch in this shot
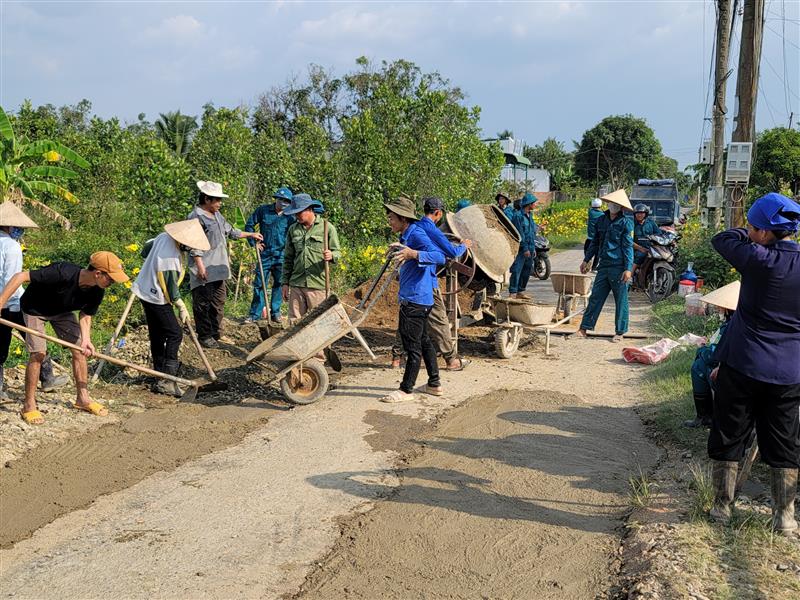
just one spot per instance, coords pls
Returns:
(641, 490)
(734, 561)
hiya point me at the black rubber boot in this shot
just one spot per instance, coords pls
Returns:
(702, 406)
(164, 386)
(784, 489)
(723, 477)
(48, 380)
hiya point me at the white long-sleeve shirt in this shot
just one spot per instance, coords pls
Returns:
(10, 265)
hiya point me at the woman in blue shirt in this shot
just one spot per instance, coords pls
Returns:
(758, 378)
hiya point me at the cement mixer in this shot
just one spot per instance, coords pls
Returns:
(495, 239)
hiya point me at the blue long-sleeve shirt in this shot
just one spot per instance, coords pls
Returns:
(526, 227)
(613, 242)
(591, 222)
(273, 227)
(417, 277)
(642, 230)
(440, 240)
(763, 338)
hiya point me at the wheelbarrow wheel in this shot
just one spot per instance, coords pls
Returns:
(306, 384)
(506, 341)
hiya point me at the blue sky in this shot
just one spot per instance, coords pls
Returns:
(538, 68)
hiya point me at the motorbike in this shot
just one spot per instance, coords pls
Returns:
(541, 262)
(656, 275)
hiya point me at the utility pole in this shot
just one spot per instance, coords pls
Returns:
(746, 97)
(721, 74)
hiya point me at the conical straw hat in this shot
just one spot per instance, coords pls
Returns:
(189, 233)
(12, 216)
(725, 297)
(618, 197)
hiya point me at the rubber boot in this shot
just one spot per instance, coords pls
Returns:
(3, 395)
(784, 489)
(48, 380)
(702, 404)
(723, 476)
(158, 365)
(170, 388)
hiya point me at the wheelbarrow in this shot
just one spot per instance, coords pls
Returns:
(513, 316)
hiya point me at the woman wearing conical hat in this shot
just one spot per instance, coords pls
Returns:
(13, 223)
(725, 299)
(158, 289)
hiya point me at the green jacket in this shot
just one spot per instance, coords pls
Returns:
(302, 259)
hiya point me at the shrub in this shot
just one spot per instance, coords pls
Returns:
(695, 247)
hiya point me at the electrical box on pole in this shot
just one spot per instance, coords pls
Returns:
(715, 196)
(707, 152)
(739, 163)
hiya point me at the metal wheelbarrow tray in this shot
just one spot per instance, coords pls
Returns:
(289, 355)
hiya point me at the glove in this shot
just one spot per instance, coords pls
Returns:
(183, 314)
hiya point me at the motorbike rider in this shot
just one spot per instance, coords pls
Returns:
(643, 227)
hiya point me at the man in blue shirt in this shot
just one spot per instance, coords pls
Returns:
(419, 258)
(591, 224)
(758, 378)
(613, 241)
(523, 264)
(272, 224)
(643, 228)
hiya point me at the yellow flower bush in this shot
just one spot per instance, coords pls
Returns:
(52, 156)
(359, 264)
(132, 247)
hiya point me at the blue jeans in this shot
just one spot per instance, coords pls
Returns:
(271, 267)
(608, 280)
(520, 273)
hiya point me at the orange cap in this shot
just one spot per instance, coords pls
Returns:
(109, 263)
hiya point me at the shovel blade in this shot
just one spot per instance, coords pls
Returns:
(190, 395)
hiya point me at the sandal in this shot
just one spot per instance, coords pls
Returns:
(433, 391)
(398, 396)
(617, 338)
(93, 407)
(462, 364)
(32, 417)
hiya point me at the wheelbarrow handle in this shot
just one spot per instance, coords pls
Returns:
(113, 360)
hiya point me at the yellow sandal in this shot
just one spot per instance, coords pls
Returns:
(32, 417)
(93, 407)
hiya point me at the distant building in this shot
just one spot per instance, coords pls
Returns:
(519, 169)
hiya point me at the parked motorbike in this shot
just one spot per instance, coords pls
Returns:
(656, 275)
(541, 263)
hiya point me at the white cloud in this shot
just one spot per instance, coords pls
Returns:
(179, 30)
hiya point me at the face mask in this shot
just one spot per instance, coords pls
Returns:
(614, 208)
(16, 233)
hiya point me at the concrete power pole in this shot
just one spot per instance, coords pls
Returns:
(721, 74)
(746, 96)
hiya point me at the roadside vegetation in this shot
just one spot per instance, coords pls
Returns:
(743, 560)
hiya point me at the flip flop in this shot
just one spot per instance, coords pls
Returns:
(93, 407)
(398, 396)
(433, 391)
(32, 417)
(461, 365)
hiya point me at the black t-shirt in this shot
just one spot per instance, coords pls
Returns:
(54, 290)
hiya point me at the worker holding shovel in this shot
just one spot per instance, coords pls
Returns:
(272, 223)
(54, 294)
(158, 289)
(12, 223)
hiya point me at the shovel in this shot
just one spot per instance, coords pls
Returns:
(263, 281)
(192, 386)
(215, 385)
(330, 353)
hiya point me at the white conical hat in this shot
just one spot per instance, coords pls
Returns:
(12, 216)
(618, 197)
(189, 233)
(725, 297)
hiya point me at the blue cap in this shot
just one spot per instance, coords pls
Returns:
(283, 193)
(774, 212)
(527, 200)
(463, 203)
(300, 202)
(319, 207)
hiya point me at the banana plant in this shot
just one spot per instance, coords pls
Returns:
(22, 180)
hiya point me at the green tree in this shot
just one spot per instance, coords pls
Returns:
(552, 156)
(620, 149)
(177, 131)
(27, 169)
(777, 162)
(222, 151)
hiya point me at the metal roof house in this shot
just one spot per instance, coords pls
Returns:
(519, 169)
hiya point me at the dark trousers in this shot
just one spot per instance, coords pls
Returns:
(165, 333)
(209, 307)
(739, 403)
(418, 345)
(596, 258)
(46, 370)
(521, 270)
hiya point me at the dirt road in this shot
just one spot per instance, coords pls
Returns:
(516, 492)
